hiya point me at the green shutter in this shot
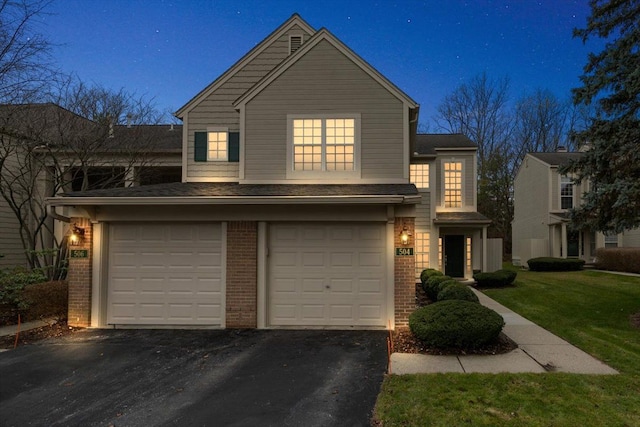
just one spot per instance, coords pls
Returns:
(234, 147)
(200, 147)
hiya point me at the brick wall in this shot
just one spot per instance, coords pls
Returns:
(79, 278)
(242, 274)
(405, 282)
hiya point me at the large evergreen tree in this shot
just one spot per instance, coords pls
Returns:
(611, 82)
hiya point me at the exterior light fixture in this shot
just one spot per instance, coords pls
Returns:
(76, 236)
(405, 235)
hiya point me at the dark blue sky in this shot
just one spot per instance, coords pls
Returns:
(171, 49)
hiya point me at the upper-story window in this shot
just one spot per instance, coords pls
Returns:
(217, 147)
(452, 184)
(566, 193)
(324, 145)
(419, 175)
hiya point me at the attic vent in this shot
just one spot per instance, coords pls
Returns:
(294, 43)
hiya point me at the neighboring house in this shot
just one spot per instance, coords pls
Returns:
(33, 131)
(296, 207)
(541, 224)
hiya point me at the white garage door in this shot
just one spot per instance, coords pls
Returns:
(327, 275)
(165, 274)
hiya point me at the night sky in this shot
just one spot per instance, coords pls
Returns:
(171, 49)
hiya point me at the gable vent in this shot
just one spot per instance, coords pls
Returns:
(294, 43)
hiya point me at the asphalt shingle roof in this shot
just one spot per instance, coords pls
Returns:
(557, 158)
(427, 143)
(233, 189)
(461, 217)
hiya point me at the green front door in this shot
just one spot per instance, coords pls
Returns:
(454, 256)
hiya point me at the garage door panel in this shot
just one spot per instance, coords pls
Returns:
(165, 274)
(327, 274)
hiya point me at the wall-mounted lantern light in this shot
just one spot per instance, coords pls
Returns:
(405, 236)
(76, 236)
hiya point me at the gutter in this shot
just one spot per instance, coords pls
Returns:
(230, 200)
(55, 215)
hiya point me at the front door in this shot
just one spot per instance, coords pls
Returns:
(573, 244)
(454, 256)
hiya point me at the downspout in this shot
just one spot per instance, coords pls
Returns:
(57, 216)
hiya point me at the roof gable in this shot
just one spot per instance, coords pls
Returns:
(324, 35)
(294, 21)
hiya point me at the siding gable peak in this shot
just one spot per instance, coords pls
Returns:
(294, 21)
(324, 35)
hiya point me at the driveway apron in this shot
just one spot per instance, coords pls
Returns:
(194, 377)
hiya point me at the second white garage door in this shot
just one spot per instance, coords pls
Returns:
(165, 274)
(327, 275)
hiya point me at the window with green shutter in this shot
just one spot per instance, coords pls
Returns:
(216, 146)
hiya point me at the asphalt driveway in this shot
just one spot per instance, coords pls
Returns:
(195, 378)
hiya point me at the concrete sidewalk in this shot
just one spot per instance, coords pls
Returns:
(13, 329)
(538, 351)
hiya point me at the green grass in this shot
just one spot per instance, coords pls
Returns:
(589, 309)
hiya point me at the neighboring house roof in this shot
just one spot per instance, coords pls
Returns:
(461, 218)
(166, 138)
(427, 144)
(324, 34)
(557, 158)
(233, 192)
(295, 20)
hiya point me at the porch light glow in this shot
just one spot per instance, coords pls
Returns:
(404, 236)
(76, 236)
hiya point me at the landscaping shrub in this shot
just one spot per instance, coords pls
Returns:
(555, 264)
(446, 284)
(431, 286)
(457, 292)
(429, 272)
(497, 279)
(618, 259)
(13, 282)
(455, 324)
(48, 299)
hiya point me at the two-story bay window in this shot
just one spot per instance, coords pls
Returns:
(419, 175)
(566, 193)
(452, 184)
(323, 145)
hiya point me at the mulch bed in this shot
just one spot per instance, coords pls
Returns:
(405, 342)
(55, 330)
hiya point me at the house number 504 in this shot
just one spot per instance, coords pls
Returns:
(404, 251)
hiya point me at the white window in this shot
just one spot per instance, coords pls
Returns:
(468, 251)
(323, 146)
(419, 175)
(422, 251)
(217, 145)
(566, 193)
(610, 240)
(453, 184)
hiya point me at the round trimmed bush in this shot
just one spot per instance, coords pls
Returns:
(429, 272)
(457, 292)
(455, 324)
(431, 286)
(443, 285)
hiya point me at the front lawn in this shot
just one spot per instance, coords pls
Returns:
(589, 309)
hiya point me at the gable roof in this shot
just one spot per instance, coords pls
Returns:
(427, 144)
(324, 34)
(557, 158)
(294, 20)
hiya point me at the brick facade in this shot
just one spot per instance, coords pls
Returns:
(404, 268)
(79, 278)
(242, 274)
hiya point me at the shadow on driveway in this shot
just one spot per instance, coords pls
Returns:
(194, 377)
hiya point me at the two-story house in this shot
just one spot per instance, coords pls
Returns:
(298, 204)
(542, 200)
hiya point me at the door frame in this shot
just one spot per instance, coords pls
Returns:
(454, 248)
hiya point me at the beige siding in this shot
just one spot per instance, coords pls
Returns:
(310, 86)
(531, 207)
(217, 109)
(423, 212)
(631, 238)
(10, 243)
(555, 190)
